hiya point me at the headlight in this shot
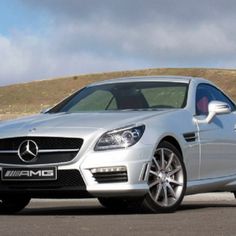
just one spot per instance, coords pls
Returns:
(120, 138)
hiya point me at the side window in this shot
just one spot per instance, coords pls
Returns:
(203, 97)
(219, 96)
(207, 93)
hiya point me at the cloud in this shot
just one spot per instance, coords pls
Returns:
(14, 63)
(95, 36)
(185, 13)
(31, 57)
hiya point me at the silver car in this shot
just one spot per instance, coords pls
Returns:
(130, 142)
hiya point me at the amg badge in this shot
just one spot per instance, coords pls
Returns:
(29, 174)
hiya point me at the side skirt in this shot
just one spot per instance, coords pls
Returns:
(222, 184)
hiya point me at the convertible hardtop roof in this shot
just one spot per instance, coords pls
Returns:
(176, 79)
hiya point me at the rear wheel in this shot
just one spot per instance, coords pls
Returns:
(10, 205)
(166, 181)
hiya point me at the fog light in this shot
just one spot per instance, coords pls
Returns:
(108, 169)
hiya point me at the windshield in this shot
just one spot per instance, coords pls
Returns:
(126, 96)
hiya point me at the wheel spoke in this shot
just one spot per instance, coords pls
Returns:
(170, 161)
(162, 159)
(172, 181)
(172, 192)
(165, 196)
(153, 173)
(158, 192)
(156, 163)
(154, 183)
(176, 170)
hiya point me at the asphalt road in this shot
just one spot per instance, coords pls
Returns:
(198, 215)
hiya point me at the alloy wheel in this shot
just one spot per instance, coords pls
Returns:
(166, 181)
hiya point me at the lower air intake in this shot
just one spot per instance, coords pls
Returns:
(111, 177)
(66, 178)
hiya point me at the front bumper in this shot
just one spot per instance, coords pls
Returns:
(77, 180)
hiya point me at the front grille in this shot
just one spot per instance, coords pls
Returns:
(65, 178)
(46, 143)
(43, 158)
(111, 177)
(52, 150)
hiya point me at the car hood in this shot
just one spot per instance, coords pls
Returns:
(76, 121)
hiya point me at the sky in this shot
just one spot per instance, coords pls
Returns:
(55, 38)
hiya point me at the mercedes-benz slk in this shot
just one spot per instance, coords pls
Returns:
(141, 141)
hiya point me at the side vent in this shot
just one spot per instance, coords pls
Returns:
(145, 171)
(190, 137)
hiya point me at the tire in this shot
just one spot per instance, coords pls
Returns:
(234, 194)
(11, 205)
(120, 203)
(166, 180)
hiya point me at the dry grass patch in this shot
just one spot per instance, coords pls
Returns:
(32, 97)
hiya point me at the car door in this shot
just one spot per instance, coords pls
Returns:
(218, 138)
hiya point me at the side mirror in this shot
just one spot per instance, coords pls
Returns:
(215, 108)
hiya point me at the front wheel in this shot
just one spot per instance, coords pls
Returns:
(234, 194)
(10, 205)
(166, 181)
(120, 203)
(114, 203)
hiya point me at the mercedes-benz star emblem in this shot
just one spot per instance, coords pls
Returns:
(28, 151)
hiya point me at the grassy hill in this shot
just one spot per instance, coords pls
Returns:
(28, 98)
